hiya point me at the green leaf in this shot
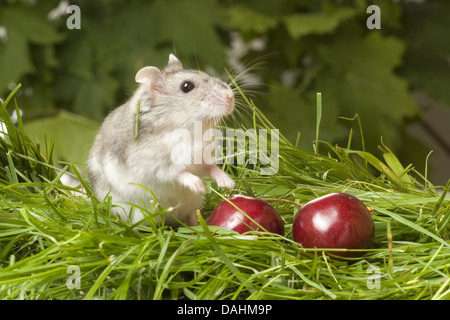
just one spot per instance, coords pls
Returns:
(78, 57)
(15, 60)
(24, 25)
(367, 84)
(426, 60)
(301, 24)
(179, 24)
(73, 135)
(88, 85)
(32, 23)
(293, 113)
(247, 19)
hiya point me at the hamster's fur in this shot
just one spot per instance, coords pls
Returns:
(121, 159)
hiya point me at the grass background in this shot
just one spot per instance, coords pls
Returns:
(47, 227)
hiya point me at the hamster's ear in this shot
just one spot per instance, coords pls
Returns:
(149, 76)
(173, 65)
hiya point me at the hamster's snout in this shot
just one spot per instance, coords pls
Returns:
(229, 104)
(228, 93)
(229, 100)
(220, 100)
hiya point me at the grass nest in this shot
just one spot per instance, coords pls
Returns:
(59, 242)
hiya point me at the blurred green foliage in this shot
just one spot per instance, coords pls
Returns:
(307, 47)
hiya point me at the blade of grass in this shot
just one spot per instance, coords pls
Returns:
(411, 225)
(318, 120)
(165, 272)
(219, 251)
(312, 283)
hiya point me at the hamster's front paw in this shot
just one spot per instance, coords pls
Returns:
(191, 181)
(222, 179)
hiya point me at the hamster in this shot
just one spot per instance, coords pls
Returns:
(133, 151)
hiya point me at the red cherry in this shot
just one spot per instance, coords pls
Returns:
(225, 215)
(337, 220)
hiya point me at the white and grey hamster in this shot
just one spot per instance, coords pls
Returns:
(133, 149)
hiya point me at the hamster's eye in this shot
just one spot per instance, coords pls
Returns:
(187, 86)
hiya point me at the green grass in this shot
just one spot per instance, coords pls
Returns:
(45, 227)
